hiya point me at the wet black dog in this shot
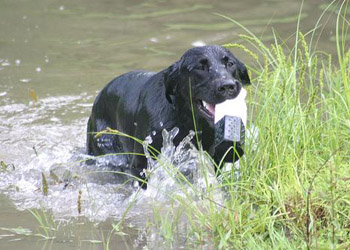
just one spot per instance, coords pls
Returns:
(144, 103)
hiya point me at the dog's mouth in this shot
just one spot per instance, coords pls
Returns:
(206, 109)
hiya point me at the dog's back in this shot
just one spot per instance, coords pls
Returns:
(111, 106)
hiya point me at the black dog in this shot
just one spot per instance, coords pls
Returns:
(142, 103)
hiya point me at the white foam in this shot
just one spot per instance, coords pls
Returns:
(233, 107)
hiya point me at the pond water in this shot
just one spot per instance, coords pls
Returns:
(54, 58)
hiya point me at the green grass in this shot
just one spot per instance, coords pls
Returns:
(293, 192)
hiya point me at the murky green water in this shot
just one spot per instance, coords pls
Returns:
(63, 52)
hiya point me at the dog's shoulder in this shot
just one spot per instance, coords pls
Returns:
(128, 84)
(131, 79)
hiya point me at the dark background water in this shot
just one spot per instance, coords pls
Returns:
(63, 52)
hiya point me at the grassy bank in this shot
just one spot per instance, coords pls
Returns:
(294, 188)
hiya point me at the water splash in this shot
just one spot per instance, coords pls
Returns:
(178, 170)
(59, 156)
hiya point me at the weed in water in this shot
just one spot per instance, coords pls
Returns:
(47, 224)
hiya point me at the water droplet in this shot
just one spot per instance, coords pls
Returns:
(198, 43)
(54, 119)
(148, 140)
(25, 80)
(5, 63)
(154, 40)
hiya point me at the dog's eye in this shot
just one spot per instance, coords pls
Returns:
(229, 64)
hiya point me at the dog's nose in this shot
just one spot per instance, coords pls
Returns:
(228, 89)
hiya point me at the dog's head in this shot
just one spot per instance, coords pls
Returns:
(212, 74)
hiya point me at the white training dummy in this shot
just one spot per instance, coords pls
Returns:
(233, 107)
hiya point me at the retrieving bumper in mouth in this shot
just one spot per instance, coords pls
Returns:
(230, 122)
(232, 107)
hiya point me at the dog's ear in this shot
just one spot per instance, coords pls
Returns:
(171, 75)
(243, 74)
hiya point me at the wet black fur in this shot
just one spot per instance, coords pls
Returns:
(142, 103)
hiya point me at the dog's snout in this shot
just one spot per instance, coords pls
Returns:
(228, 89)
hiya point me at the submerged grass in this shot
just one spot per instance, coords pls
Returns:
(47, 224)
(293, 190)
